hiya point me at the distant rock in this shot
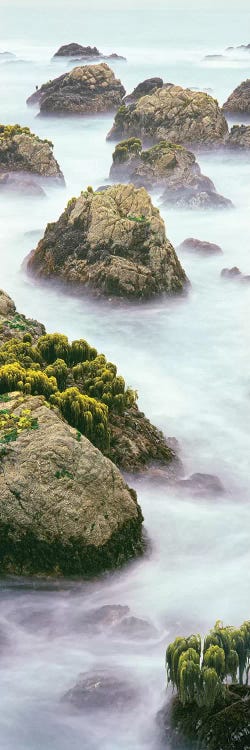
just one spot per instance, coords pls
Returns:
(101, 691)
(20, 183)
(64, 507)
(240, 46)
(113, 242)
(22, 151)
(86, 89)
(239, 100)
(146, 87)
(200, 247)
(239, 137)
(213, 57)
(85, 53)
(174, 114)
(205, 484)
(7, 56)
(234, 273)
(168, 166)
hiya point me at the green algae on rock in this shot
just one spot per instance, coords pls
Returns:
(169, 166)
(22, 151)
(113, 242)
(64, 507)
(174, 114)
(85, 90)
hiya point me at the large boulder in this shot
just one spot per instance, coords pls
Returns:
(174, 114)
(22, 151)
(64, 507)
(86, 89)
(84, 53)
(169, 166)
(239, 137)
(113, 242)
(239, 100)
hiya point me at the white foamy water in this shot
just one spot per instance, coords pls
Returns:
(188, 358)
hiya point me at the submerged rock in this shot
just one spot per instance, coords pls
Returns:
(64, 507)
(20, 183)
(234, 273)
(22, 151)
(86, 89)
(101, 691)
(145, 87)
(169, 166)
(239, 100)
(134, 628)
(225, 727)
(84, 53)
(239, 137)
(113, 242)
(201, 247)
(174, 114)
(105, 617)
(202, 484)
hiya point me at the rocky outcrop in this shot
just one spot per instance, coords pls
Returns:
(113, 242)
(226, 727)
(64, 507)
(145, 87)
(239, 137)
(201, 247)
(174, 114)
(134, 444)
(86, 89)
(239, 100)
(169, 166)
(22, 151)
(85, 53)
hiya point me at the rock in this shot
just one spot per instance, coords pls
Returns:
(239, 137)
(167, 165)
(7, 55)
(146, 87)
(135, 628)
(83, 53)
(174, 114)
(86, 89)
(239, 100)
(7, 306)
(201, 247)
(234, 273)
(240, 46)
(204, 484)
(20, 183)
(22, 151)
(136, 443)
(213, 57)
(64, 507)
(101, 690)
(113, 242)
(226, 727)
(107, 616)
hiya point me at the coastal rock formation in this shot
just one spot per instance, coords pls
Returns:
(64, 507)
(174, 114)
(201, 247)
(239, 137)
(86, 89)
(169, 166)
(22, 151)
(121, 430)
(234, 274)
(145, 87)
(84, 53)
(239, 100)
(113, 242)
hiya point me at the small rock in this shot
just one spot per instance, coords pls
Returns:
(202, 484)
(234, 273)
(22, 184)
(105, 617)
(146, 87)
(239, 137)
(201, 247)
(101, 691)
(239, 100)
(135, 629)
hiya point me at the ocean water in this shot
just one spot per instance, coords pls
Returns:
(188, 358)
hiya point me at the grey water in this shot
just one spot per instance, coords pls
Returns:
(188, 358)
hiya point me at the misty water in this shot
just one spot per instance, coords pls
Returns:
(188, 358)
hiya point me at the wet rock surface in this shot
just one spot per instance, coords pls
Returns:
(86, 89)
(204, 484)
(182, 116)
(113, 242)
(99, 691)
(169, 166)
